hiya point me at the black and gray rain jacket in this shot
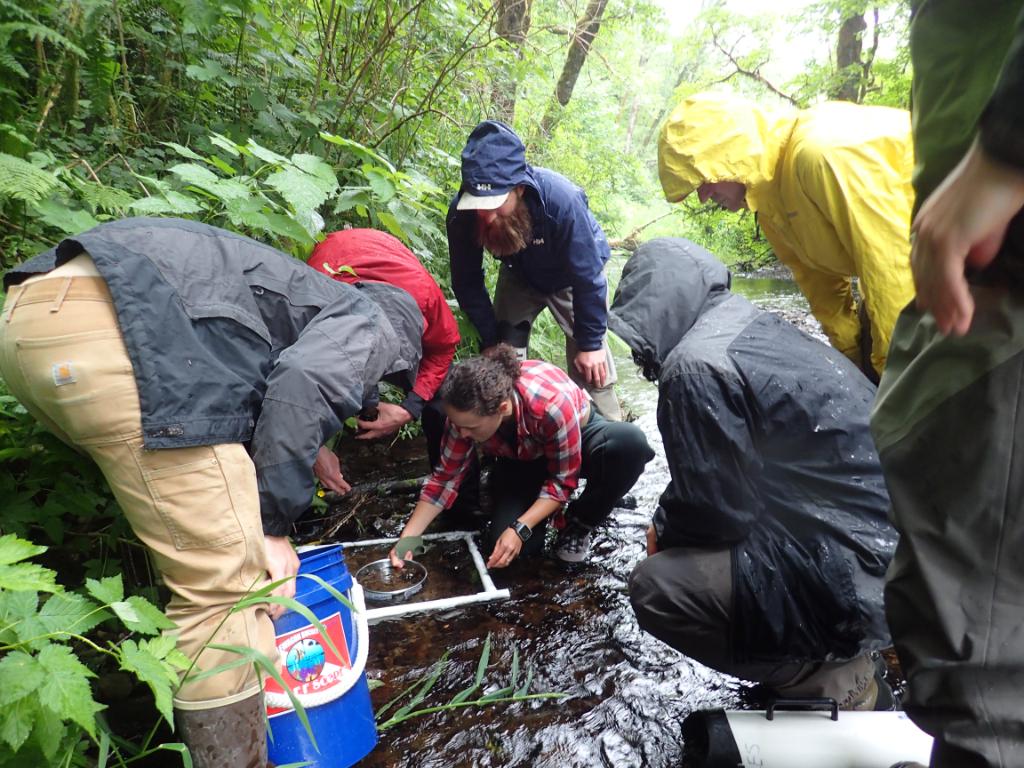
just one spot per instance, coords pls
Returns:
(232, 341)
(767, 441)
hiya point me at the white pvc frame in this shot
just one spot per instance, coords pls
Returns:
(490, 592)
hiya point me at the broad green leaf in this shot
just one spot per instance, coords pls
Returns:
(14, 550)
(139, 615)
(22, 675)
(70, 612)
(50, 728)
(210, 70)
(183, 151)
(350, 198)
(382, 186)
(226, 144)
(204, 178)
(58, 214)
(16, 609)
(108, 590)
(301, 190)
(389, 221)
(312, 221)
(165, 648)
(224, 167)
(247, 214)
(125, 612)
(287, 227)
(28, 576)
(264, 154)
(315, 166)
(358, 149)
(160, 677)
(65, 687)
(169, 202)
(17, 721)
(198, 175)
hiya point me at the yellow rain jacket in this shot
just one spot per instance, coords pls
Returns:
(831, 187)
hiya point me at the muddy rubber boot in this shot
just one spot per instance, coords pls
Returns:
(232, 736)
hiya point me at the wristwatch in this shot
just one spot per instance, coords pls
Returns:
(523, 531)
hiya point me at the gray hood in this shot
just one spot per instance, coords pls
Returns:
(665, 287)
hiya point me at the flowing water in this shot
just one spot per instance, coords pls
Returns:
(626, 694)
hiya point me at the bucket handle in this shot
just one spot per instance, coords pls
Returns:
(348, 678)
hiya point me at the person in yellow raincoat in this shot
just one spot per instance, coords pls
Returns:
(831, 187)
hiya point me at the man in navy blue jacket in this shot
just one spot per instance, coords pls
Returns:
(552, 254)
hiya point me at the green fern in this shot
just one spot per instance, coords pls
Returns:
(23, 181)
(103, 198)
(9, 63)
(39, 32)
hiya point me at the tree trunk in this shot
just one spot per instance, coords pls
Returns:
(586, 30)
(512, 26)
(849, 66)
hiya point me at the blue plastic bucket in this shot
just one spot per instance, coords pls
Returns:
(331, 686)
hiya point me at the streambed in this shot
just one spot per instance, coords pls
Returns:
(626, 694)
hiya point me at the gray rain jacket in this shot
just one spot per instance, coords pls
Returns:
(232, 341)
(766, 435)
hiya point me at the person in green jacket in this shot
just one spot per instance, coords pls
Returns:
(947, 416)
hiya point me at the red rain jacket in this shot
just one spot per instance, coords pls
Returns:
(376, 256)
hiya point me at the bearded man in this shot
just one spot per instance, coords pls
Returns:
(552, 253)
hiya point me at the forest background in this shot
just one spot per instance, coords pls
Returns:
(287, 119)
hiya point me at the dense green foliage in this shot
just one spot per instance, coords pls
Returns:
(284, 119)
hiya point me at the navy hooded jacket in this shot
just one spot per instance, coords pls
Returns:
(568, 248)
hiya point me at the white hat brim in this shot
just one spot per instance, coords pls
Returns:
(468, 202)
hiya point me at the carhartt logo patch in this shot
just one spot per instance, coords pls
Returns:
(63, 373)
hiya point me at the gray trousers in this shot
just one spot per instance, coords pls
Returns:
(683, 597)
(950, 429)
(516, 306)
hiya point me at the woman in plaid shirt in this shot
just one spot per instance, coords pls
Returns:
(545, 435)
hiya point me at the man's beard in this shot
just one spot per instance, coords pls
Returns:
(506, 235)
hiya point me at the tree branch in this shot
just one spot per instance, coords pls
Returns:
(753, 74)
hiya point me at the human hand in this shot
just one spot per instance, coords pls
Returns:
(389, 420)
(593, 366)
(652, 541)
(327, 469)
(396, 561)
(506, 549)
(962, 224)
(282, 562)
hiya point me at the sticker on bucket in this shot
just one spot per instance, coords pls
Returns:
(307, 663)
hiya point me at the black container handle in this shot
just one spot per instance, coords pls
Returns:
(815, 703)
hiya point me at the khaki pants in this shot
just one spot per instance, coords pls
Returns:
(196, 509)
(516, 306)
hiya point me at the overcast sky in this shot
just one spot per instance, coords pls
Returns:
(787, 61)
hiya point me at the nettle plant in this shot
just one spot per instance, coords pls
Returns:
(246, 187)
(48, 653)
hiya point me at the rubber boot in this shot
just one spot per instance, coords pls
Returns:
(232, 736)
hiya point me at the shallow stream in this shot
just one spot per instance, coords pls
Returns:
(626, 694)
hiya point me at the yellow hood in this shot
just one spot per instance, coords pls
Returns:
(713, 137)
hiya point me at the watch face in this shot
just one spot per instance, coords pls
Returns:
(522, 529)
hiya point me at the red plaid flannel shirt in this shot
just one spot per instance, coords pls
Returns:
(547, 407)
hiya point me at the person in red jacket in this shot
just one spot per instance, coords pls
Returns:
(369, 255)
